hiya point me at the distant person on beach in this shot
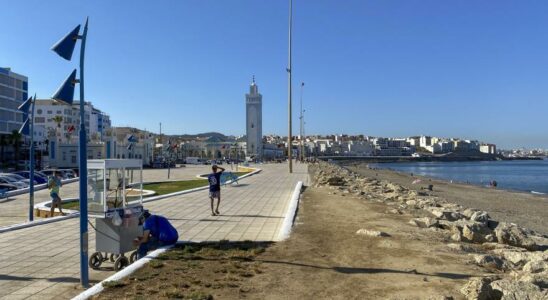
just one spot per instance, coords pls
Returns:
(54, 184)
(157, 232)
(215, 187)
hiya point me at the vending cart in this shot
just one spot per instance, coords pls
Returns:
(115, 200)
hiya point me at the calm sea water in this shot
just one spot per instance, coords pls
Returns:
(529, 176)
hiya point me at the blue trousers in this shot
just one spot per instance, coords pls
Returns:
(152, 244)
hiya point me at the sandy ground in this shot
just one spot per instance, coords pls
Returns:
(525, 209)
(323, 259)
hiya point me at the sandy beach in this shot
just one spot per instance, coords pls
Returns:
(525, 209)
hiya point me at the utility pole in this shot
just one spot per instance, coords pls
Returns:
(289, 70)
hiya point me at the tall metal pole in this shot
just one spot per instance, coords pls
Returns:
(31, 177)
(301, 131)
(289, 137)
(84, 278)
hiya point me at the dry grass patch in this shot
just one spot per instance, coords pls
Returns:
(193, 271)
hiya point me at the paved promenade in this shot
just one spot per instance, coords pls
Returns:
(42, 262)
(15, 209)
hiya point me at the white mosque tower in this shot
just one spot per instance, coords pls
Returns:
(254, 121)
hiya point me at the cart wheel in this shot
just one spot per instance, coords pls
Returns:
(120, 263)
(113, 257)
(133, 257)
(95, 260)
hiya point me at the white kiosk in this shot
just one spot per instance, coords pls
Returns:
(115, 200)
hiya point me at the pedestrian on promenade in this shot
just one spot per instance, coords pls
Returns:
(215, 187)
(157, 232)
(54, 184)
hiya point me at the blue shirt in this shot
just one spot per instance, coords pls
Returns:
(214, 181)
(161, 229)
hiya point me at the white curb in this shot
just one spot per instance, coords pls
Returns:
(96, 289)
(285, 230)
(38, 222)
(37, 187)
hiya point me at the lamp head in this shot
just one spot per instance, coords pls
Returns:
(25, 129)
(65, 46)
(65, 93)
(24, 107)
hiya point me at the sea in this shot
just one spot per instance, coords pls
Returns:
(521, 175)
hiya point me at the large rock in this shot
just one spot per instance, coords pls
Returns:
(425, 222)
(480, 216)
(469, 212)
(374, 233)
(536, 266)
(445, 214)
(513, 235)
(480, 289)
(518, 290)
(336, 181)
(476, 232)
(490, 261)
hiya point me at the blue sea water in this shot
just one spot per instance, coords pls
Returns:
(525, 175)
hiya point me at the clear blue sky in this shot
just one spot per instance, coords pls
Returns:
(475, 69)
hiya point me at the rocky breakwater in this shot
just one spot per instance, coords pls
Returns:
(516, 257)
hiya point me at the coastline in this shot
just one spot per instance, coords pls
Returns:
(522, 208)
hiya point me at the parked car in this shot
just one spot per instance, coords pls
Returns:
(68, 173)
(6, 187)
(39, 179)
(20, 178)
(65, 173)
(9, 180)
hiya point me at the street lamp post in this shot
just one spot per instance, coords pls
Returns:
(289, 138)
(65, 93)
(301, 118)
(25, 130)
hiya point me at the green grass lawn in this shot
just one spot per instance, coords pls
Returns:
(162, 188)
(71, 205)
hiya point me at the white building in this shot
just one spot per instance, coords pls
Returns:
(65, 128)
(254, 121)
(13, 92)
(488, 148)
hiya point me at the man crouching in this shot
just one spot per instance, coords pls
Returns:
(157, 232)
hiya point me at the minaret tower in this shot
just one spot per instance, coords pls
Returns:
(254, 121)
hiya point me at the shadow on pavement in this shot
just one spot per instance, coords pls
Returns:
(29, 278)
(253, 216)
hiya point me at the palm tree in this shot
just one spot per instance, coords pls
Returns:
(15, 138)
(3, 144)
(58, 119)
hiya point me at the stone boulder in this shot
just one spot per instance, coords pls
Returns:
(536, 266)
(518, 290)
(480, 216)
(425, 222)
(480, 289)
(445, 214)
(374, 233)
(336, 181)
(513, 235)
(476, 232)
(490, 261)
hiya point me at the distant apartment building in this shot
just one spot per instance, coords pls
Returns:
(392, 147)
(425, 141)
(488, 148)
(61, 122)
(13, 91)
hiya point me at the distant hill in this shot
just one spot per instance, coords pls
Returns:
(215, 135)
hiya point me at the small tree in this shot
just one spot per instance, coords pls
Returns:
(58, 119)
(15, 138)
